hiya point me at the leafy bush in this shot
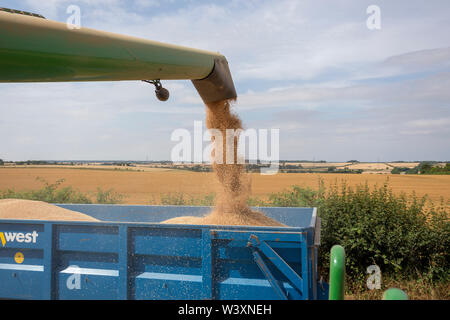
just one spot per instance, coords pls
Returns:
(298, 197)
(173, 199)
(205, 201)
(108, 197)
(209, 200)
(403, 236)
(51, 193)
(180, 199)
(438, 169)
(399, 170)
(426, 167)
(54, 193)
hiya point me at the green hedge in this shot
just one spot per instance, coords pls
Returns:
(55, 193)
(404, 236)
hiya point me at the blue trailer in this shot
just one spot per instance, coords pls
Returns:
(129, 254)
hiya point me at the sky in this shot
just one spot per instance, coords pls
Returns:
(336, 89)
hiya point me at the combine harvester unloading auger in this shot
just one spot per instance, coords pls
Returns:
(129, 254)
(34, 49)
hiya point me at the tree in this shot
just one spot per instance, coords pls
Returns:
(1, 162)
(425, 167)
(398, 170)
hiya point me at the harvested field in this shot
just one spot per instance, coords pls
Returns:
(369, 166)
(357, 165)
(140, 187)
(403, 164)
(90, 167)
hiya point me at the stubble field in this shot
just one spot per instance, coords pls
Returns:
(144, 186)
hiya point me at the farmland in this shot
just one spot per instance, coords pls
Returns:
(147, 185)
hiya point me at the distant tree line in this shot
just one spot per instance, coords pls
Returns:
(345, 170)
(197, 168)
(118, 164)
(34, 162)
(428, 167)
(290, 166)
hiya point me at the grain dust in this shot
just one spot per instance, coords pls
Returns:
(234, 184)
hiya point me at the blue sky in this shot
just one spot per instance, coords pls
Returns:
(335, 89)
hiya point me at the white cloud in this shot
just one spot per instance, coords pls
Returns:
(286, 40)
(284, 55)
(56, 9)
(141, 4)
(429, 123)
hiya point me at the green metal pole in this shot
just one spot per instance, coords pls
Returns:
(394, 294)
(337, 273)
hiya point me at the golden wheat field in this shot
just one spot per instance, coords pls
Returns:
(143, 187)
